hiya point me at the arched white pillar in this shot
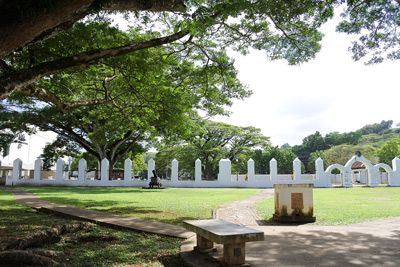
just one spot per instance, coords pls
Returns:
(197, 171)
(273, 169)
(250, 170)
(37, 173)
(59, 170)
(128, 169)
(105, 170)
(174, 170)
(297, 169)
(17, 168)
(373, 174)
(387, 168)
(151, 165)
(82, 169)
(224, 176)
(395, 179)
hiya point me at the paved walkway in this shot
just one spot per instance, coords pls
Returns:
(367, 244)
(241, 211)
(374, 243)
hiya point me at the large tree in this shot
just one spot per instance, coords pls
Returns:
(149, 93)
(284, 29)
(23, 22)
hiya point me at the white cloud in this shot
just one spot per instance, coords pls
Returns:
(330, 93)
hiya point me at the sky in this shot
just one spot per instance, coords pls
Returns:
(29, 151)
(330, 93)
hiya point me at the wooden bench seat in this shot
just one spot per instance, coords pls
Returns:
(232, 236)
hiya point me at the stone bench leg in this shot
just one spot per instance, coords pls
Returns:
(234, 254)
(203, 243)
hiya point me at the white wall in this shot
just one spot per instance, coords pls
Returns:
(322, 178)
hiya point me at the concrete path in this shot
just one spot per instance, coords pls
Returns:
(374, 243)
(99, 217)
(241, 212)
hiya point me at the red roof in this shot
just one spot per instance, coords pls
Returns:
(359, 165)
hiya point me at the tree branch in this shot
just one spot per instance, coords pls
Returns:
(19, 29)
(117, 156)
(63, 107)
(11, 82)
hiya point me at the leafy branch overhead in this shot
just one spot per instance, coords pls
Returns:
(284, 30)
(145, 94)
(65, 67)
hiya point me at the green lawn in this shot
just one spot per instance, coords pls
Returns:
(335, 206)
(132, 249)
(343, 206)
(165, 205)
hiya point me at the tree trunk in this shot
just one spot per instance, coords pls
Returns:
(25, 258)
(20, 27)
(111, 169)
(12, 254)
(48, 236)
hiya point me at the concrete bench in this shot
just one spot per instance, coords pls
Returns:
(232, 236)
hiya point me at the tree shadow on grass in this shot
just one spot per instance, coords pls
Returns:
(86, 190)
(110, 206)
(113, 207)
(172, 261)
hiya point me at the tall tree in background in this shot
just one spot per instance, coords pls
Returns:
(342, 153)
(213, 141)
(284, 158)
(335, 138)
(310, 144)
(377, 128)
(389, 150)
(313, 157)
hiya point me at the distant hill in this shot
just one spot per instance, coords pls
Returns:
(340, 146)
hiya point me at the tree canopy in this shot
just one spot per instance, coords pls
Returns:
(147, 94)
(377, 22)
(389, 150)
(283, 29)
(284, 158)
(212, 141)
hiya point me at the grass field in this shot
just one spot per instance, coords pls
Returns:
(343, 206)
(165, 205)
(335, 206)
(133, 249)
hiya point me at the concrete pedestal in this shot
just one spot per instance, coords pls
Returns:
(294, 203)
